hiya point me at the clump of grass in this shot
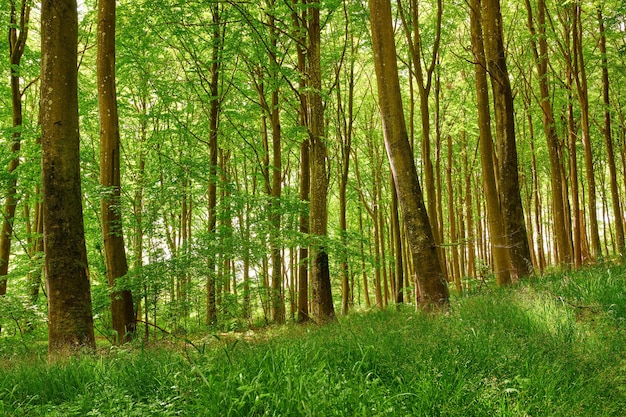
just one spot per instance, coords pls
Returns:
(507, 352)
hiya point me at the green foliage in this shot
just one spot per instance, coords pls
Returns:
(508, 352)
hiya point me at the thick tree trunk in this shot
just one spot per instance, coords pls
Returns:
(70, 321)
(511, 201)
(122, 311)
(320, 273)
(430, 279)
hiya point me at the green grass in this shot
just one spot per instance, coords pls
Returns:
(553, 347)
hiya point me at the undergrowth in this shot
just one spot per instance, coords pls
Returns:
(553, 346)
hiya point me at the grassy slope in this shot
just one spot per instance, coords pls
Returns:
(553, 348)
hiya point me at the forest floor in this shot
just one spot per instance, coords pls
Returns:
(552, 346)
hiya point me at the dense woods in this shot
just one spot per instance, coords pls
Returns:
(247, 163)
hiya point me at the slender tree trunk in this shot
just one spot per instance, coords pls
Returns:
(618, 218)
(70, 320)
(18, 33)
(345, 122)
(430, 278)
(122, 311)
(397, 244)
(469, 214)
(580, 76)
(366, 292)
(211, 286)
(542, 63)
(454, 270)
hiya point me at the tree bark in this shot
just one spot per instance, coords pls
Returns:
(320, 273)
(580, 76)
(18, 33)
(70, 321)
(501, 261)
(299, 21)
(122, 311)
(618, 218)
(214, 112)
(430, 278)
(564, 245)
(511, 201)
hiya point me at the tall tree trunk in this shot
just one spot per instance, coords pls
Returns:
(577, 226)
(397, 244)
(320, 273)
(580, 76)
(495, 222)
(432, 284)
(618, 218)
(70, 320)
(469, 214)
(345, 121)
(18, 33)
(122, 311)
(423, 72)
(214, 112)
(542, 63)
(299, 25)
(511, 201)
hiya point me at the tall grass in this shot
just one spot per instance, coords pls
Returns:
(551, 348)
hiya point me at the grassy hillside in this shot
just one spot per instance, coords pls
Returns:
(553, 347)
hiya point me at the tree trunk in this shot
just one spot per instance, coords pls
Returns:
(320, 273)
(18, 33)
(305, 171)
(580, 76)
(122, 311)
(618, 218)
(211, 286)
(70, 320)
(345, 121)
(511, 201)
(494, 215)
(564, 245)
(424, 77)
(397, 244)
(430, 279)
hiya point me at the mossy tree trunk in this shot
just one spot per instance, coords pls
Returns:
(70, 320)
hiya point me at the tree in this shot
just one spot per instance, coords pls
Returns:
(423, 71)
(122, 311)
(320, 273)
(70, 320)
(495, 222)
(431, 282)
(542, 63)
(608, 140)
(18, 33)
(511, 201)
(580, 77)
